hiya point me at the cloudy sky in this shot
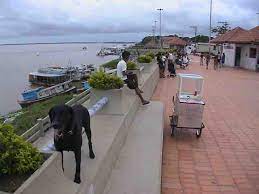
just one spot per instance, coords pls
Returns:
(114, 20)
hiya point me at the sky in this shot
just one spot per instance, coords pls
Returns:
(24, 21)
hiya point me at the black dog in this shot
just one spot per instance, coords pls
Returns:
(67, 123)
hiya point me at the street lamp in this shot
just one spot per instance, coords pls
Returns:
(257, 18)
(160, 10)
(210, 24)
(195, 33)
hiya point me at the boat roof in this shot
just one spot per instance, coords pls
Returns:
(190, 76)
(46, 74)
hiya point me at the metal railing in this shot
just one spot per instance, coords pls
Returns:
(43, 124)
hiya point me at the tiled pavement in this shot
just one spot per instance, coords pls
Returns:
(226, 157)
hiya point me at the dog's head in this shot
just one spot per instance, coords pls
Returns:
(61, 118)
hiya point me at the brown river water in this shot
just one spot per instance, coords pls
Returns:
(17, 61)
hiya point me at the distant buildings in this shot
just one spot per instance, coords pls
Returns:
(241, 47)
(168, 42)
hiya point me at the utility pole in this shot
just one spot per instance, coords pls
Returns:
(257, 18)
(160, 18)
(210, 24)
(195, 33)
(155, 33)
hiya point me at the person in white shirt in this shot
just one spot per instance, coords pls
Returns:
(129, 78)
(171, 68)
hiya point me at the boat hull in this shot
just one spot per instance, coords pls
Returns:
(26, 103)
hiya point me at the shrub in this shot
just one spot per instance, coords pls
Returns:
(16, 155)
(152, 55)
(30, 114)
(111, 64)
(103, 81)
(144, 59)
(131, 65)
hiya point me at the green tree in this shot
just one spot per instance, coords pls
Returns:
(222, 29)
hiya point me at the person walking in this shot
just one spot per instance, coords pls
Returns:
(129, 78)
(207, 61)
(201, 59)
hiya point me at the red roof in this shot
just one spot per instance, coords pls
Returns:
(239, 35)
(174, 41)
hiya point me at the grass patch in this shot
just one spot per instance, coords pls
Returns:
(39, 110)
(111, 64)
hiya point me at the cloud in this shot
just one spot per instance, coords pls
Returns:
(26, 18)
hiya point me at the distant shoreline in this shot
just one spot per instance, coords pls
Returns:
(121, 42)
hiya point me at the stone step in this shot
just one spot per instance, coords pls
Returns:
(138, 168)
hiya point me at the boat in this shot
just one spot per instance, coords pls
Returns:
(39, 94)
(110, 51)
(50, 76)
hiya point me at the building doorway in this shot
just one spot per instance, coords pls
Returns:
(238, 57)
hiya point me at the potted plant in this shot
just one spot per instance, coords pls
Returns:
(110, 86)
(18, 159)
(145, 61)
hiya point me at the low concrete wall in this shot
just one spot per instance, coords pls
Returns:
(109, 132)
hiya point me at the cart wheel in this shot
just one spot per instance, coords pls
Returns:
(172, 130)
(199, 131)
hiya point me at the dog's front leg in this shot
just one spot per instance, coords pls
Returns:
(78, 164)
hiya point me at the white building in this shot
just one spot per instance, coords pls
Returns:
(241, 47)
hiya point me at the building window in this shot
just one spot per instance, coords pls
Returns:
(252, 53)
(214, 47)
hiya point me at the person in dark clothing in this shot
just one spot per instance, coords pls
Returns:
(222, 59)
(161, 66)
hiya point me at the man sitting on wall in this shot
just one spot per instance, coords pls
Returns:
(129, 78)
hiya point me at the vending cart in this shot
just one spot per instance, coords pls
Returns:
(188, 104)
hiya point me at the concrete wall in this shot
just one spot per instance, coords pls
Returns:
(109, 132)
(229, 55)
(247, 62)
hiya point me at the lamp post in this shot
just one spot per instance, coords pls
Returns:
(160, 18)
(257, 18)
(210, 24)
(195, 33)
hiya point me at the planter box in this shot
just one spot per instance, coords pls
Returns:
(117, 100)
(147, 67)
(34, 176)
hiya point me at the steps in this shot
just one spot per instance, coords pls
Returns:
(138, 168)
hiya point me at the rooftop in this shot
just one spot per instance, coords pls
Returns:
(239, 35)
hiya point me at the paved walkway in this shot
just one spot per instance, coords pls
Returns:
(226, 157)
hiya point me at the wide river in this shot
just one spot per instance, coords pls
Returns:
(17, 61)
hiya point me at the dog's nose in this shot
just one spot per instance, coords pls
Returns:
(56, 126)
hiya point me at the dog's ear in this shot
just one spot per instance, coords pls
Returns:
(51, 114)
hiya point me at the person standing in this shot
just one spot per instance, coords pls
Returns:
(207, 61)
(215, 59)
(201, 59)
(129, 78)
(219, 59)
(160, 65)
(222, 59)
(171, 68)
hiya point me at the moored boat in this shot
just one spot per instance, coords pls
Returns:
(40, 94)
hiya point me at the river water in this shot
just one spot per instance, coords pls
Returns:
(17, 61)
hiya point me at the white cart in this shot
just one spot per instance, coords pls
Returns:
(188, 104)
